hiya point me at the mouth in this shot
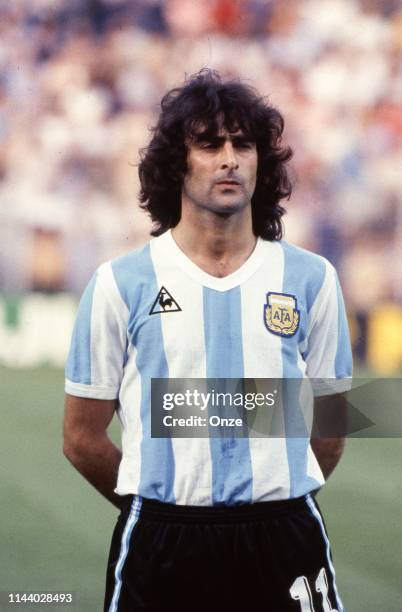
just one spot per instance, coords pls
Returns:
(228, 182)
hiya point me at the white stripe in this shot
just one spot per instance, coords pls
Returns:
(125, 541)
(129, 413)
(317, 515)
(262, 358)
(322, 296)
(108, 333)
(306, 402)
(108, 282)
(184, 345)
(322, 332)
(313, 469)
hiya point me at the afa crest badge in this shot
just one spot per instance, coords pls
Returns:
(281, 316)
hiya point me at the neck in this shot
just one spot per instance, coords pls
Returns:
(218, 244)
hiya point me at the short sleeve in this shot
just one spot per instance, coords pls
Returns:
(328, 355)
(98, 347)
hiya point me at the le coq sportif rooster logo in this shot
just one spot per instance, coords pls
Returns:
(164, 302)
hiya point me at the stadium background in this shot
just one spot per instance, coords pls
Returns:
(80, 84)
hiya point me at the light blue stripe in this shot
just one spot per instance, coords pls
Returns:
(125, 543)
(307, 272)
(343, 359)
(299, 265)
(128, 278)
(136, 280)
(78, 366)
(232, 477)
(317, 515)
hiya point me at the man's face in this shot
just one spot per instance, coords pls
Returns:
(222, 171)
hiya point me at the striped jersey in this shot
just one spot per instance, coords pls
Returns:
(153, 313)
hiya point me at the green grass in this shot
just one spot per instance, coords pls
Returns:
(55, 529)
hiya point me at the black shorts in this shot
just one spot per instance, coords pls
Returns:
(268, 557)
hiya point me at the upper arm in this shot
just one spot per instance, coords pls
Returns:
(85, 417)
(328, 354)
(330, 417)
(98, 348)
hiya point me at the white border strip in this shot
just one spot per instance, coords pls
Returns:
(317, 515)
(125, 541)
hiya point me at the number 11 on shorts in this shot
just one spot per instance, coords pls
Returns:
(300, 591)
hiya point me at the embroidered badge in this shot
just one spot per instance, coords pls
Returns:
(164, 302)
(281, 316)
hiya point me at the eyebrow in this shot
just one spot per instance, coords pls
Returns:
(215, 139)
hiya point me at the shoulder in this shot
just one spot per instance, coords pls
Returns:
(128, 262)
(305, 273)
(125, 267)
(306, 265)
(303, 258)
(130, 273)
(120, 268)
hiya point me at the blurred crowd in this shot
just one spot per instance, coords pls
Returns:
(80, 85)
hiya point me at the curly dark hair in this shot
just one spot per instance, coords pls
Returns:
(201, 101)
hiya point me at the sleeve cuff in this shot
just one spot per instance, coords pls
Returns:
(330, 386)
(90, 391)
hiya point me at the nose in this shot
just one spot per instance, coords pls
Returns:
(229, 159)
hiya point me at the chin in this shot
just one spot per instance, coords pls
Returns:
(229, 207)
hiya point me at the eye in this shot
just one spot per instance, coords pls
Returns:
(244, 145)
(208, 145)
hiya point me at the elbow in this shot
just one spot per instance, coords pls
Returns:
(69, 450)
(72, 448)
(328, 452)
(338, 447)
(78, 445)
(332, 448)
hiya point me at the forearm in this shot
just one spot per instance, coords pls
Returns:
(98, 460)
(328, 452)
